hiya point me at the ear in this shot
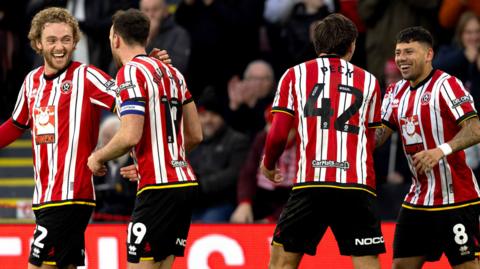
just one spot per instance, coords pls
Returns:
(430, 54)
(38, 44)
(116, 41)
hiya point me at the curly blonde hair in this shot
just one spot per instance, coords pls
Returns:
(51, 15)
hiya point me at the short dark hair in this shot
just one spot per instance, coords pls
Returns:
(415, 34)
(132, 25)
(334, 35)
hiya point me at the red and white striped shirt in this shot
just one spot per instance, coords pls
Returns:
(427, 116)
(63, 113)
(334, 103)
(158, 91)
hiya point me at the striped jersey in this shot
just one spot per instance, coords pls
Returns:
(334, 103)
(157, 91)
(427, 116)
(63, 113)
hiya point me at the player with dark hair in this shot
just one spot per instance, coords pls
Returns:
(437, 120)
(334, 105)
(159, 119)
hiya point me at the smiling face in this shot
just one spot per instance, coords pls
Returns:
(414, 60)
(471, 33)
(56, 45)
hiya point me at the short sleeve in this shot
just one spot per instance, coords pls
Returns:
(386, 108)
(102, 88)
(283, 101)
(20, 113)
(374, 117)
(131, 89)
(458, 101)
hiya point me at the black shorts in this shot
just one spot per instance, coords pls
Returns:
(454, 232)
(59, 237)
(160, 223)
(351, 214)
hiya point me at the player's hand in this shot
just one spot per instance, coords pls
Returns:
(425, 160)
(98, 169)
(273, 175)
(242, 214)
(129, 172)
(162, 55)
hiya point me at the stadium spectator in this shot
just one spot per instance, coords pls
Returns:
(225, 38)
(436, 119)
(462, 58)
(249, 97)
(61, 102)
(385, 18)
(452, 10)
(14, 60)
(166, 34)
(216, 162)
(298, 29)
(335, 177)
(260, 200)
(152, 94)
(115, 195)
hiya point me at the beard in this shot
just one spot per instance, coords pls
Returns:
(55, 62)
(117, 60)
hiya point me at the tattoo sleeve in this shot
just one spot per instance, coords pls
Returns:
(468, 136)
(381, 135)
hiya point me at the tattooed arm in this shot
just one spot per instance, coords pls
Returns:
(467, 136)
(381, 135)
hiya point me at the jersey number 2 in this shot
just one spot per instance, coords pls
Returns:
(326, 111)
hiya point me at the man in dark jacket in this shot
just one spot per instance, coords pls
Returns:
(217, 162)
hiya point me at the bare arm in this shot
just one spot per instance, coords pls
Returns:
(191, 127)
(381, 135)
(468, 136)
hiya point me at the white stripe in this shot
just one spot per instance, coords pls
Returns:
(36, 148)
(437, 128)
(343, 103)
(320, 145)
(301, 91)
(52, 149)
(156, 120)
(132, 108)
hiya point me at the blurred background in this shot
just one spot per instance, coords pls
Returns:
(232, 53)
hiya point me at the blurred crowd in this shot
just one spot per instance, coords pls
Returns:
(232, 52)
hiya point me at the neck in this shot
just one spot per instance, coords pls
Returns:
(344, 57)
(128, 53)
(424, 75)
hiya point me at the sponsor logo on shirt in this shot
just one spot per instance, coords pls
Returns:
(125, 86)
(461, 100)
(330, 164)
(177, 163)
(44, 125)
